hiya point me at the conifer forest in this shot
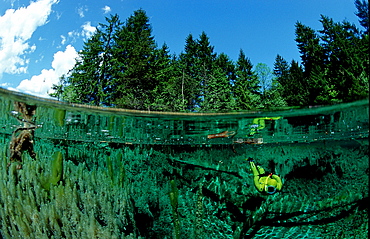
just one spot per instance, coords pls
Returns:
(122, 66)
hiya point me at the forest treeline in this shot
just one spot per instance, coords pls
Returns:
(122, 66)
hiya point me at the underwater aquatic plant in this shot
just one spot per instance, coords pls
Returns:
(56, 171)
(174, 198)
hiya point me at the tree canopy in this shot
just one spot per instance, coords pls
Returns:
(121, 65)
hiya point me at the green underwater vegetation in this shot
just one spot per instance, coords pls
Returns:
(98, 174)
(126, 191)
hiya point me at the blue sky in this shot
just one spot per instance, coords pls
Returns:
(39, 39)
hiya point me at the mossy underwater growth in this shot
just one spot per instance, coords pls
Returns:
(127, 191)
(84, 204)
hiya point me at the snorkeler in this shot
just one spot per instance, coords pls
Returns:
(266, 183)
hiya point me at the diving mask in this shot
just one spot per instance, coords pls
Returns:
(270, 189)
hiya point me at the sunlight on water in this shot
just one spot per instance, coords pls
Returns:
(76, 171)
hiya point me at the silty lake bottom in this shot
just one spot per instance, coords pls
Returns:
(70, 171)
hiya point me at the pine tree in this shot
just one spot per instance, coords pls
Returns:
(281, 72)
(90, 80)
(346, 53)
(169, 93)
(297, 86)
(292, 83)
(188, 63)
(363, 14)
(205, 57)
(313, 59)
(197, 62)
(219, 95)
(246, 88)
(135, 52)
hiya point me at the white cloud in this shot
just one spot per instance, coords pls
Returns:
(64, 39)
(4, 85)
(106, 9)
(58, 15)
(81, 11)
(17, 27)
(87, 30)
(40, 85)
(72, 34)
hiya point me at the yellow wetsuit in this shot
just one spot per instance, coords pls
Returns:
(265, 183)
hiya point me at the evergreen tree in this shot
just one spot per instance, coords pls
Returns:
(363, 14)
(298, 87)
(281, 68)
(219, 86)
(313, 60)
(292, 83)
(246, 88)
(136, 54)
(121, 65)
(169, 94)
(197, 62)
(90, 80)
(343, 47)
(281, 72)
(205, 58)
(189, 72)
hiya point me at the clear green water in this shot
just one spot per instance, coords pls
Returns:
(106, 173)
